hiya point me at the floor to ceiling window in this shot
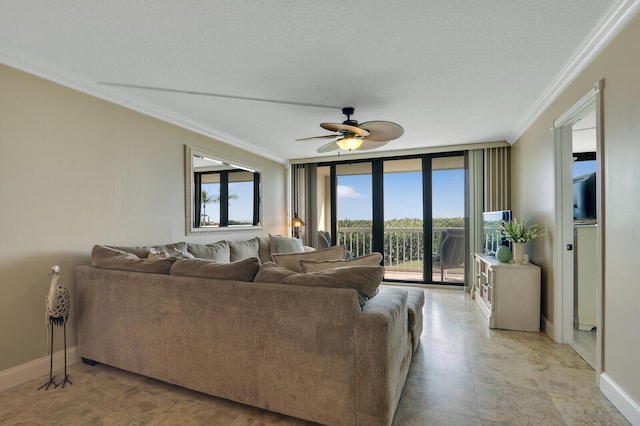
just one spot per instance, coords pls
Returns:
(411, 210)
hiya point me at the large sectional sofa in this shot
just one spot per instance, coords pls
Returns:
(327, 345)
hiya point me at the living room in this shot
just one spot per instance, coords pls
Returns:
(78, 171)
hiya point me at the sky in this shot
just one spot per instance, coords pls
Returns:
(402, 195)
(240, 209)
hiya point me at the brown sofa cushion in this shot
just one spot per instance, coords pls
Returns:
(244, 249)
(292, 260)
(364, 279)
(219, 251)
(116, 258)
(372, 259)
(241, 270)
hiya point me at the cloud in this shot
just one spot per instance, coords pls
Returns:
(347, 192)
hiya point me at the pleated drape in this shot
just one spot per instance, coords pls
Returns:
(497, 173)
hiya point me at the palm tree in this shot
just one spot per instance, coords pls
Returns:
(207, 198)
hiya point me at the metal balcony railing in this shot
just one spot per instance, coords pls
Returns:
(403, 247)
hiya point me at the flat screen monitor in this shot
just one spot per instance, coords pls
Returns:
(491, 237)
(584, 197)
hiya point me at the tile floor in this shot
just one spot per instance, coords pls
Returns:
(462, 374)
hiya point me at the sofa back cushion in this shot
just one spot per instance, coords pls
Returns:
(364, 279)
(292, 260)
(244, 249)
(372, 259)
(219, 251)
(241, 270)
(117, 258)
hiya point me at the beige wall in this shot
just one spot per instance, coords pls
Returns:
(77, 171)
(533, 194)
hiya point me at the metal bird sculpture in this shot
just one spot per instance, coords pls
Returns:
(57, 312)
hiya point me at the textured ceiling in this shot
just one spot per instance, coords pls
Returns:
(449, 71)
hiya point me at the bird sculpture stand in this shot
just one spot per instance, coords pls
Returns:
(57, 312)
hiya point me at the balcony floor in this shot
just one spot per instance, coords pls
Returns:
(452, 277)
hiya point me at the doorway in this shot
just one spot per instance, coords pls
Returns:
(578, 274)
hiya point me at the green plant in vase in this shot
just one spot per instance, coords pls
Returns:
(518, 232)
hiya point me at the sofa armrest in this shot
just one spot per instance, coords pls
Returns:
(382, 356)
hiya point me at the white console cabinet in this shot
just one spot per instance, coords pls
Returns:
(508, 294)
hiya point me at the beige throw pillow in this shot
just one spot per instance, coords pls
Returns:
(292, 260)
(372, 259)
(244, 249)
(364, 279)
(115, 258)
(241, 270)
(219, 251)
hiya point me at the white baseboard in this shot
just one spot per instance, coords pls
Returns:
(547, 327)
(32, 370)
(622, 401)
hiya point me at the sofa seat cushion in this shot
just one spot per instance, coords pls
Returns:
(292, 260)
(372, 259)
(364, 279)
(240, 270)
(116, 258)
(415, 303)
(219, 251)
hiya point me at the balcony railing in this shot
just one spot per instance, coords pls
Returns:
(403, 247)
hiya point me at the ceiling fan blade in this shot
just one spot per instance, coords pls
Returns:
(368, 144)
(336, 127)
(331, 146)
(216, 95)
(319, 137)
(382, 130)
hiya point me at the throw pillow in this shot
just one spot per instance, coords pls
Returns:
(244, 249)
(285, 244)
(292, 260)
(155, 254)
(372, 259)
(177, 250)
(364, 279)
(116, 258)
(219, 251)
(241, 270)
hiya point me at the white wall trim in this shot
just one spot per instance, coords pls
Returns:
(40, 367)
(548, 328)
(612, 22)
(621, 399)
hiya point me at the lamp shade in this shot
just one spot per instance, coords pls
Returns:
(296, 222)
(349, 142)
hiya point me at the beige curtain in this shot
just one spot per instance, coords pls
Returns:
(304, 200)
(298, 196)
(497, 172)
(475, 195)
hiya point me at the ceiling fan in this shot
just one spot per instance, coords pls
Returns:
(352, 136)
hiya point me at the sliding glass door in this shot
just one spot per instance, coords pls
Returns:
(447, 220)
(411, 210)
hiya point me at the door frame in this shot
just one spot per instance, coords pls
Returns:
(563, 271)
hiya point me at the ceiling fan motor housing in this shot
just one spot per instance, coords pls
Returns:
(348, 111)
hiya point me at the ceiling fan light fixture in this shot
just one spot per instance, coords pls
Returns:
(350, 142)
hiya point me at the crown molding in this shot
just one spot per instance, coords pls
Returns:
(608, 27)
(67, 78)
